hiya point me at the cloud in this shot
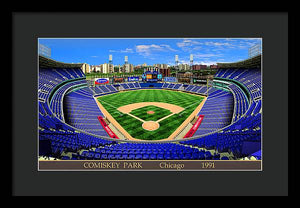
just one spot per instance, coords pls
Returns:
(251, 39)
(207, 62)
(207, 55)
(188, 42)
(147, 50)
(211, 51)
(188, 45)
(232, 44)
(168, 47)
(230, 39)
(94, 56)
(127, 50)
(217, 44)
(184, 62)
(191, 45)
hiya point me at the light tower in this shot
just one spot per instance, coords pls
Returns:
(110, 64)
(191, 61)
(126, 67)
(176, 61)
(110, 59)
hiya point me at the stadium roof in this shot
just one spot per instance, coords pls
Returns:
(45, 62)
(254, 62)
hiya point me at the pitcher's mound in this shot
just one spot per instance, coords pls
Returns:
(150, 112)
(150, 125)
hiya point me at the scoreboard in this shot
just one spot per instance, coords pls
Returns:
(151, 77)
(159, 77)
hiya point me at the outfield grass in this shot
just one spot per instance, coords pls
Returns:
(134, 126)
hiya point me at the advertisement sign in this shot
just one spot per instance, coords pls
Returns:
(151, 80)
(170, 79)
(199, 81)
(159, 76)
(101, 80)
(133, 79)
(186, 80)
(118, 79)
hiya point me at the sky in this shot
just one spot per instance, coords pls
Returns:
(149, 50)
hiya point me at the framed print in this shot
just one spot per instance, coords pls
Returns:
(204, 113)
(153, 103)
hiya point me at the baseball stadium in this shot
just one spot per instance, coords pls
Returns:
(150, 117)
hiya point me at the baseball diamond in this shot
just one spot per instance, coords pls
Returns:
(129, 109)
(150, 113)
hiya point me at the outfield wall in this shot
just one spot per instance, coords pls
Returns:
(149, 85)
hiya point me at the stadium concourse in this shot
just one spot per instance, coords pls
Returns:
(69, 127)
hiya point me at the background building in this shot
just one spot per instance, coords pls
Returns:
(213, 66)
(86, 68)
(161, 66)
(107, 68)
(183, 67)
(96, 68)
(127, 68)
(199, 67)
(165, 72)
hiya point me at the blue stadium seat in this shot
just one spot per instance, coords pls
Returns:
(65, 158)
(97, 156)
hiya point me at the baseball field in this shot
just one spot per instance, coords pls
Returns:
(150, 114)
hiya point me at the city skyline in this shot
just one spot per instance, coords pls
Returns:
(206, 51)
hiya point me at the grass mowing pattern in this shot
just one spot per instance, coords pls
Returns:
(134, 126)
(142, 113)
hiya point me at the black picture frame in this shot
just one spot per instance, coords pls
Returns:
(273, 27)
